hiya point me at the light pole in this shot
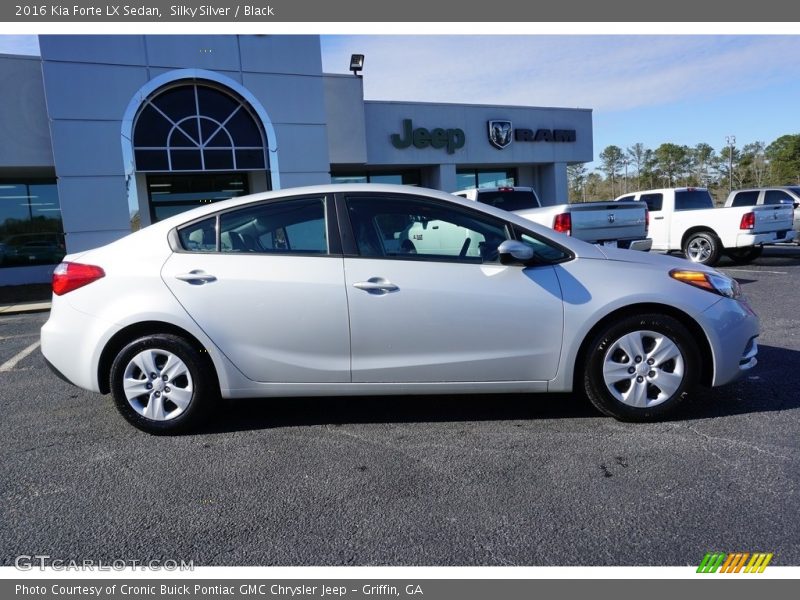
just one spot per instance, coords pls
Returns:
(731, 141)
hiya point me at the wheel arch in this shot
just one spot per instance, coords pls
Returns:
(704, 346)
(126, 335)
(698, 229)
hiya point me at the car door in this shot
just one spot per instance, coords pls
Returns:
(659, 221)
(265, 282)
(430, 302)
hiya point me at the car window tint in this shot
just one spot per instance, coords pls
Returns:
(287, 226)
(693, 200)
(200, 236)
(745, 198)
(509, 200)
(653, 201)
(415, 228)
(777, 197)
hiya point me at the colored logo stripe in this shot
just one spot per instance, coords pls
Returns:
(733, 563)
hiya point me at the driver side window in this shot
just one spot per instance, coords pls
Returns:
(417, 228)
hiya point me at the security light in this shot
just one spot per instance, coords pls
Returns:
(356, 63)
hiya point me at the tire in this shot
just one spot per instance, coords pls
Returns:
(175, 396)
(702, 247)
(742, 256)
(655, 389)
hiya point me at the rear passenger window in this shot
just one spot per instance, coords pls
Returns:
(286, 226)
(777, 197)
(653, 201)
(200, 236)
(745, 199)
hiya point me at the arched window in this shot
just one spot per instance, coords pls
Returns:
(197, 127)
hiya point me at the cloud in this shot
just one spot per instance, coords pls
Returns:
(601, 72)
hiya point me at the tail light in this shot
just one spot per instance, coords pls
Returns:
(563, 223)
(70, 276)
(748, 221)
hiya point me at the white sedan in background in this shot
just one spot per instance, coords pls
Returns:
(379, 290)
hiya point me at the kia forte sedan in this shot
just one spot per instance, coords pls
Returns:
(384, 290)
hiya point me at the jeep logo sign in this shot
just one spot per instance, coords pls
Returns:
(452, 139)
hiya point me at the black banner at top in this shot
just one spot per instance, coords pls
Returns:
(342, 11)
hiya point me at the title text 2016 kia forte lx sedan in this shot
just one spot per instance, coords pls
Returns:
(377, 290)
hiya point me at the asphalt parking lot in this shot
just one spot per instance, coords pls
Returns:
(485, 480)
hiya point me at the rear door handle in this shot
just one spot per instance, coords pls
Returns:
(196, 277)
(658, 218)
(376, 285)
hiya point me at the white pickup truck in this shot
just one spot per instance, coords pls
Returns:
(621, 225)
(684, 219)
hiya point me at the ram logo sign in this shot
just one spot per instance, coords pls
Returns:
(500, 133)
(720, 562)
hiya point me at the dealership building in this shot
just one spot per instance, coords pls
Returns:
(105, 134)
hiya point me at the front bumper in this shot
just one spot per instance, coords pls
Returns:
(732, 328)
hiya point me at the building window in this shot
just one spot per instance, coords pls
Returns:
(173, 194)
(31, 232)
(197, 127)
(398, 178)
(475, 178)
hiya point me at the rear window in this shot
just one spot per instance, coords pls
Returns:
(745, 199)
(693, 200)
(510, 200)
(777, 197)
(653, 201)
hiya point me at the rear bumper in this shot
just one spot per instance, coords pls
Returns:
(641, 245)
(744, 240)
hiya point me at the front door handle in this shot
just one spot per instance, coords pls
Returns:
(196, 277)
(658, 218)
(376, 285)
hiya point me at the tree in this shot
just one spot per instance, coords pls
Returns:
(576, 177)
(672, 161)
(753, 165)
(638, 155)
(784, 159)
(610, 161)
(702, 157)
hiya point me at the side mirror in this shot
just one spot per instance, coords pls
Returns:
(514, 252)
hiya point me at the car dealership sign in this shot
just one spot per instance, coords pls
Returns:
(502, 132)
(452, 139)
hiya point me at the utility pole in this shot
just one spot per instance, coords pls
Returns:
(731, 141)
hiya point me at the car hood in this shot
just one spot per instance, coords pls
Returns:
(652, 258)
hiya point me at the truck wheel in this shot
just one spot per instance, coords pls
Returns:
(742, 256)
(641, 367)
(702, 247)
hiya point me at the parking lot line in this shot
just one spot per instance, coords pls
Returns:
(12, 362)
(757, 271)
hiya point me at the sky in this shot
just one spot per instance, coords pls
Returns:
(683, 89)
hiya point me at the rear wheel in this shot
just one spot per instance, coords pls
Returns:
(702, 247)
(641, 367)
(742, 256)
(161, 384)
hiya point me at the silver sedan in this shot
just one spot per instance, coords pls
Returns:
(384, 290)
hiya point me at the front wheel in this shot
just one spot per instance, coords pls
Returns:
(641, 367)
(161, 384)
(702, 247)
(742, 256)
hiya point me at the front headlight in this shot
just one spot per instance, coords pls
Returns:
(711, 282)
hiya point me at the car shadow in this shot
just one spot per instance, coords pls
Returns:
(764, 389)
(786, 255)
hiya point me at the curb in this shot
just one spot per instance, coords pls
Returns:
(24, 308)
